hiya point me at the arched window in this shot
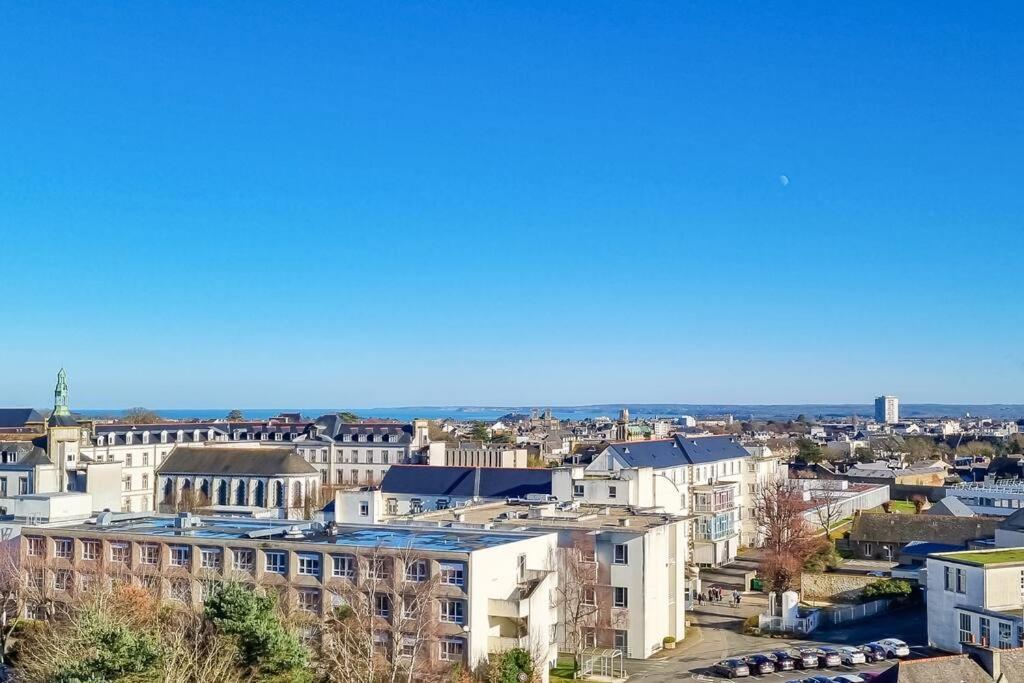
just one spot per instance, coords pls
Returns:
(260, 495)
(222, 492)
(240, 493)
(279, 494)
(297, 494)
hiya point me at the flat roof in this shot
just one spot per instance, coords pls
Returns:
(986, 557)
(517, 515)
(358, 536)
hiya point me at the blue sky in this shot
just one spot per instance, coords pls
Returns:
(264, 204)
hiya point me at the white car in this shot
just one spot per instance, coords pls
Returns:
(847, 678)
(850, 655)
(894, 647)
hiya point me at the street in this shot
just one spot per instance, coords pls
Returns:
(721, 638)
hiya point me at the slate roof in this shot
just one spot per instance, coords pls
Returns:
(28, 454)
(897, 528)
(62, 421)
(16, 418)
(359, 432)
(679, 451)
(960, 668)
(950, 505)
(924, 548)
(235, 461)
(1015, 522)
(860, 470)
(495, 482)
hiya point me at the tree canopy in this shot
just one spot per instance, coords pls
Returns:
(235, 416)
(137, 416)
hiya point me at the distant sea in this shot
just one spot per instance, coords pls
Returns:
(739, 411)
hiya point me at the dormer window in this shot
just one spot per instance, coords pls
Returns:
(163, 437)
(210, 435)
(181, 435)
(197, 435)
(346, 437)
(128, 438)
(8, 457)
(100, 441)
(263, 436)
(145, 437)
(277, 436)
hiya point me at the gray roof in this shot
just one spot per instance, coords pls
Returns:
(1015, 522)
(236, 461)
(960, 668)
(678, 451)
(950, 505)
(16, 418)
(902, 528)
(485, 482)
(336, 428)
(62, 421)
(28, 454)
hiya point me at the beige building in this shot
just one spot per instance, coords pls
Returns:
(477, 454)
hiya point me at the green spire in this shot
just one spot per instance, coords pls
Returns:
(60, 394)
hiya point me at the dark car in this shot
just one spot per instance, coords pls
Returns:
(760, 664)
(869, 675)
(731, 668)
(804, 659)
(873, 652)
(783, 660)
(817, 679)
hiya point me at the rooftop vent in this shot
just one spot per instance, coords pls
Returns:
(186, 520)
(294, 532)
(104, 518)
(624, 522)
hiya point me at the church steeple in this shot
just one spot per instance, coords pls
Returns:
(60, 394)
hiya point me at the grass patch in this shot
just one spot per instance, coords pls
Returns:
(901, 507)
(562, 673)
(988, 556)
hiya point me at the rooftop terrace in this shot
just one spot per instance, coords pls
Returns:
(293, 531)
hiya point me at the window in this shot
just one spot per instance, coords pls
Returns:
(364, 509)
(180, 555)
(355, 477)
(612, 492)
(63, 580)
(589, 597)
(453, 573)
(344, 566)
(416, 571)
(869, 549)
(209, 558)
(277, 562)
(36, 546)
(452, 649)
(392, 506)
(119, 552)
(961, 580)
(620, 554)
(126, 482)
(309, 564)
(577, 490)
(452, 611)
(379, 569)
(442, 504)
(90, 550)
(243, 560)
(966, 634)
(149, 553)
(382, 606)
(415, 506)
(341, 476)
(589, 637)
(309, 600)
(62, 548)
(23, 486)
(385, 456)
(408, 646)
(984, 629)
(620, 640)
(180, 590)
(145, 481)
(323, 476)
(1005, 633)
(621, 597)
(947, 578)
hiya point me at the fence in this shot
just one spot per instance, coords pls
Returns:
(802, 625)
(841, 615)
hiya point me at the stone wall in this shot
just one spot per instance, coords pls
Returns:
(833, 587)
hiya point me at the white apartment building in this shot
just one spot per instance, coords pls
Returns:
(993, 498)
(975, 597)
(887, 410)
(700, 476)
(495, 589)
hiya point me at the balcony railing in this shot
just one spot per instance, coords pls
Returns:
(499, 644)
(713, 506)
(510, 609)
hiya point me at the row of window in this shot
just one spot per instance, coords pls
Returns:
(23, 486)
(620, 597)
(1005, 632)
(127, 480)
(244, 560)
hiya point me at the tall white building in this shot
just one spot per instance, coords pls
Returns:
(887, 410)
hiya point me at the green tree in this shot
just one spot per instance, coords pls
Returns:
(348, 418)
(479, 432)
(263, 641)
(511, 665)
(115, 652)
(809, 451)
(235, 416)
(864, 454)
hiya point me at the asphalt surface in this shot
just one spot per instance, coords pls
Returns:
(721, 638)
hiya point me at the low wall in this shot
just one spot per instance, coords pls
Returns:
(833, 587)
(841, 615)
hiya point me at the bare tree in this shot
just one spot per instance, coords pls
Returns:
(828, 509)
(779, 508)
(577, 595)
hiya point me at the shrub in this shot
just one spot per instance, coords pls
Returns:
(887, 588)
(668, 640)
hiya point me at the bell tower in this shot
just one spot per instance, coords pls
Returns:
(60, 394)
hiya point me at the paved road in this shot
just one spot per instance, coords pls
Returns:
(719, 627)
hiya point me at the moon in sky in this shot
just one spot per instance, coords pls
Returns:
(784, 180)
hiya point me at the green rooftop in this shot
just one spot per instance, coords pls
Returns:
(983, 557)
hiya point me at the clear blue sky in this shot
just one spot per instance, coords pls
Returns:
(266, 204)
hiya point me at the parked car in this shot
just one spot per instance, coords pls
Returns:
(829, 656)
(847, 678)
(873, 652)
(851, 655)
(869, 675)
(731, 668)
(804, 659)
(783, 660)
(760, 664)
(817, 679)
(894, 647)
(877, 574)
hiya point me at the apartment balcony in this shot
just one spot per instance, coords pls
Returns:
(713, 536)
(709, 508)
(508, 609)
(500, 644)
